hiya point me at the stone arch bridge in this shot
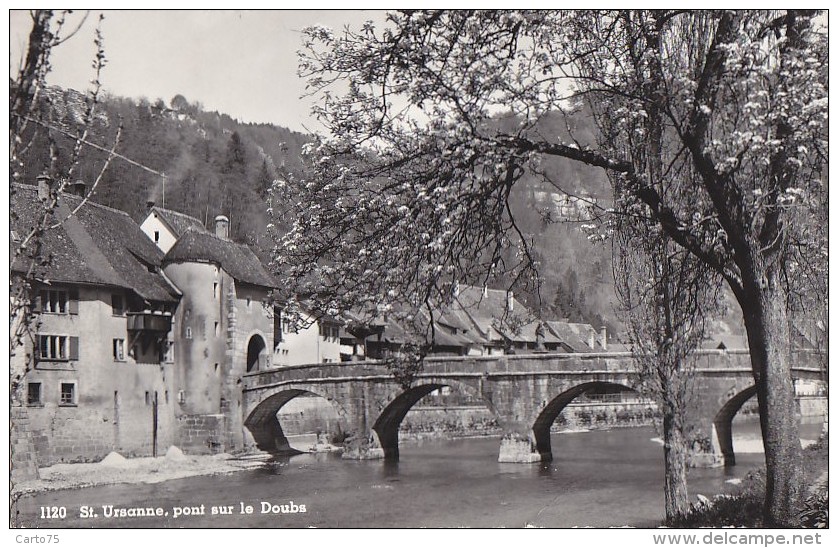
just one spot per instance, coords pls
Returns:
(524, 392)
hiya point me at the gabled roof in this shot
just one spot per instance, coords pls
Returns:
(488, 309)
(529, 333)
(238, 260)
(98, 245)
(574, 335)
(808, 334)
(178, 222)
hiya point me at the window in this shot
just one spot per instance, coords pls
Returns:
(57, 301)
(156, 236)
(329, 333)
(33, 393)
(118, 305)
(215, 290)
(188, 333)
(68, 393)
(147, 398)
(217, 329)
(58, 347)
(119, 350)
(54, 302)
(170, 353)
(277, 327)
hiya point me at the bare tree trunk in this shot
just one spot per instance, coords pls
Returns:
(675, 463)
(766, 322)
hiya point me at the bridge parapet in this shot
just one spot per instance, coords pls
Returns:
(719, 361)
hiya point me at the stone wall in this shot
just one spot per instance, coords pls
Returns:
(477, 420)
(813, 406)
(23, 461)
(308, 415)
(201, 434)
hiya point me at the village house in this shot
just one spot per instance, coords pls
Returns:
(95, 366)
(140, 334)
(478, 322)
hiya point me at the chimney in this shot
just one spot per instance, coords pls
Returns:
(603, 340)
(149, 204)
(510, 301)
(44, 188)
(592, 338)
(222, 227)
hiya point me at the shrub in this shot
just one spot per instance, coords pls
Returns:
(815, 512)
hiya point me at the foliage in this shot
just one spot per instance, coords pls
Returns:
(816, 510)
(744, 506)
(434, 119)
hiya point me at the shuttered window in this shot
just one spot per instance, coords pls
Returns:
(58, 347)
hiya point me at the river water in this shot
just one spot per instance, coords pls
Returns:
(598, 478)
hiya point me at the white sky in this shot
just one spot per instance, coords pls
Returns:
(242, 63)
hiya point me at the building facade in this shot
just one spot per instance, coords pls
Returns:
(94, 368)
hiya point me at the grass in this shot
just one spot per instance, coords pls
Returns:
(744, 507)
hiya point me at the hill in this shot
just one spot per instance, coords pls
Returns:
(212, 163)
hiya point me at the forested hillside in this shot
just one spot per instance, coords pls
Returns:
(212, 163)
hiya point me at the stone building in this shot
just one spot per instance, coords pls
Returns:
(95, 369)
(140, 334)
(222, 329)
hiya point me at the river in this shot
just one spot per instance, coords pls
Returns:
(598, 478)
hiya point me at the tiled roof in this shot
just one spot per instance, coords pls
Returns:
(236, 259)
(529, 333)
(488, 309)
(98, 245)
(178, 222)
(574, 335)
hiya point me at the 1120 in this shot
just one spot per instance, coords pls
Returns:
(53, 512)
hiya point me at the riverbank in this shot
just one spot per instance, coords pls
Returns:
(743, 506)
(115, 469)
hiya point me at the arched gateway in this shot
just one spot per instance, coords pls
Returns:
(257, 353)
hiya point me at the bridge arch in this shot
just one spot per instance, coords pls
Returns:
(388, 422)
(723, 423)
(263, 423)
(548, 415)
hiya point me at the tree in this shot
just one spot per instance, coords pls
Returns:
(32, 122)
(409, 189)
(235, 158)
(666, 295)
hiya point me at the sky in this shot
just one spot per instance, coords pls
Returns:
(239, 62)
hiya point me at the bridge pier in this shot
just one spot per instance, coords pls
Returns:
(520, 448)
(363, 447)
